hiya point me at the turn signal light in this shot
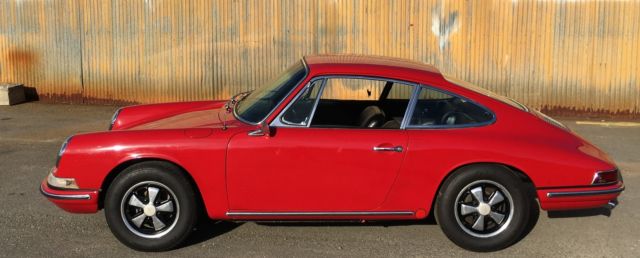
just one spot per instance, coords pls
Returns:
(62, 183)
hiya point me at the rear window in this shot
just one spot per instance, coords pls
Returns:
(486, 92)
(440, 109)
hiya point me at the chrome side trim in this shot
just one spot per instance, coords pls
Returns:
(65, 196)
(584, 193)
(305, 214)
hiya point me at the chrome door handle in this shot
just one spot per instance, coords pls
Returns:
(394, 148)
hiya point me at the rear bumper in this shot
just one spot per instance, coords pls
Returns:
(578, 197)
(75, 201)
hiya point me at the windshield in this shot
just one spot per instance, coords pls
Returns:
(489, 93)
(256, 106)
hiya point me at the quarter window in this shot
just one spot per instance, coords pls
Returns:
(299, 113)
(441, 109)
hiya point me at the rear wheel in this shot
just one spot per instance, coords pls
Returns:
(483, 208)
(151, 206)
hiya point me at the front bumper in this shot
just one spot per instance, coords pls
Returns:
(571, 198)
(75, 201)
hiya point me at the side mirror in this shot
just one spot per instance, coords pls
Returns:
(263, 130)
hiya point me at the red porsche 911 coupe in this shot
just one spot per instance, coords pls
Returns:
(334, 138)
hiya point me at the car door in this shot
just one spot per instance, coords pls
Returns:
(308, 166)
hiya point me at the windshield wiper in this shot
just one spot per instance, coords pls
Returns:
(230, 105)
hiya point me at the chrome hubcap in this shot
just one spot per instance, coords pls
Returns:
(484, 208)
(150, 209)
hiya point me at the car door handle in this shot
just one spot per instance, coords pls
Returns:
(394, 148)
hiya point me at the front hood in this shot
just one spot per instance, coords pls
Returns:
(178, 115)
(212, 118)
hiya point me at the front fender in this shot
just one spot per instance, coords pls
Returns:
(92, 158)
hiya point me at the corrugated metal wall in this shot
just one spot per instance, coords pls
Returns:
(559, 55)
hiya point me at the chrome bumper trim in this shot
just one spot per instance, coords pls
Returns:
(349, 213)
(584, 193)
(64, 196)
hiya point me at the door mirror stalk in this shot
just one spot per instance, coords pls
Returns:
(263, 130)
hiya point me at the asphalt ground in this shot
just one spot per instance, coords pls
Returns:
(30, 226)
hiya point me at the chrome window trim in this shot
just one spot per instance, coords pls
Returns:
(423, 86)
(584, 193)
(305, 213)
(235, 113)
(277, 123)
(64, 196)
(410, 107)
(315, 105)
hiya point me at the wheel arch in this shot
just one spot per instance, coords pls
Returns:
(515, 170)
(108, 180)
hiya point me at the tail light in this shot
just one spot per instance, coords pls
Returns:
(606, 177)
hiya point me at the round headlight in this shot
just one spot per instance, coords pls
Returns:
(113, 119)
(62, 149)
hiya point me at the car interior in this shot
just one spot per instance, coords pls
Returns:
(433, 108)
(363, 114)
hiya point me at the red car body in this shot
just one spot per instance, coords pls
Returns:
(293, 172)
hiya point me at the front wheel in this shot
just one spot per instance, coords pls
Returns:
(150, 206)
(483, 208)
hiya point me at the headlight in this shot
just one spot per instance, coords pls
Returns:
(113, 119)
(66, 183)
(62, 149)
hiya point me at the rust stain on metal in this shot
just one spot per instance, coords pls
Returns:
(561, 56)
(20, 57)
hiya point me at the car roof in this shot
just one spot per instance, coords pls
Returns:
(347, 63)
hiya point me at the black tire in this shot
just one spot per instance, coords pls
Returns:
(458, 211)
(174, 206)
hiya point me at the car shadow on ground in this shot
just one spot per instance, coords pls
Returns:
(601, 211)
(208, 229)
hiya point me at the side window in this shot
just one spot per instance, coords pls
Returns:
(352, 89)
(299, 113)
(400, 93)
(440, 109)
(361, 103)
